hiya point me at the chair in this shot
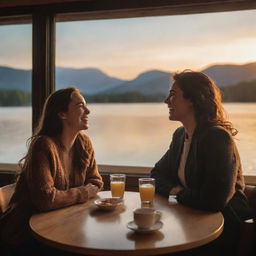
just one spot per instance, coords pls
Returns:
(247, 243)
(250, 192)
(6, 193)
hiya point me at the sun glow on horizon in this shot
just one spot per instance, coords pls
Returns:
(173, 70)
(125, 48)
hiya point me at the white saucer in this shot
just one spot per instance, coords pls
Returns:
(131, 225)
(108, 204)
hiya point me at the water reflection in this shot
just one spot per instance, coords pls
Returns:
(127, 134)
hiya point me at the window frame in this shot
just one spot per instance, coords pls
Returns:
(45, 13)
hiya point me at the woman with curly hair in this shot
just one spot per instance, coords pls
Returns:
(202, 167)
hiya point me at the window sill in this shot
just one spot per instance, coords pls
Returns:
(11, 169)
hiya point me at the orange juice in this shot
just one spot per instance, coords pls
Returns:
(147, 192)
(117, 188)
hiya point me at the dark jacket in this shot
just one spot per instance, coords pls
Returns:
(213, 173)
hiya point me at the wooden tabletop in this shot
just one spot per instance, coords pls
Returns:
(85, 229)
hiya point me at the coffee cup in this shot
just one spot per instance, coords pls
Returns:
(146, 217)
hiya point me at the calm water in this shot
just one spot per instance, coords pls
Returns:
(128, 134)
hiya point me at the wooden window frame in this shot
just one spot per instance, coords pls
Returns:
(44, 13)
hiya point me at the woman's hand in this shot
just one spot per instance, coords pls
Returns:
(92, 190)
(175, 190)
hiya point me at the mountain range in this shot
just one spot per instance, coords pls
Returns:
(92, 81)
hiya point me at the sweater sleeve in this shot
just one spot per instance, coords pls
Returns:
(218, 174)
(92, 175)
(41, 176)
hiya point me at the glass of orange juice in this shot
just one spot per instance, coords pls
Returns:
(147, 190)
(117, 185)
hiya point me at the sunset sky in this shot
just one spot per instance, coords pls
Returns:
(124, 48)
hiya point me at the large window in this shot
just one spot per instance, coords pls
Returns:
(123, 67)
(15, 91)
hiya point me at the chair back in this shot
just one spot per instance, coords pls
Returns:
(250, 192)
(246, 246)
(6, 193)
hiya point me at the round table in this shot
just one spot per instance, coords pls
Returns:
(85, 229)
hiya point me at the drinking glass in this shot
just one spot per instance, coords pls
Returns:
(117, 185)
(147, 190)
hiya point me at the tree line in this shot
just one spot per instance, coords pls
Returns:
(241, 92)
(14, 98)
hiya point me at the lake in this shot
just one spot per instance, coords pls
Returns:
(135, 134)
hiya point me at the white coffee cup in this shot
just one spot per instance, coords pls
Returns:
(146, 217)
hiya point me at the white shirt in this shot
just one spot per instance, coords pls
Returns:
(183, 159)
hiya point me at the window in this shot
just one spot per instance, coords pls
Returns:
(122, 66)
(15, 91)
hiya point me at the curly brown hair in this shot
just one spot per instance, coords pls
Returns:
(206, 98)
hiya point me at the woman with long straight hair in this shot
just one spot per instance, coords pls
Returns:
(202, 167)
(58, 170)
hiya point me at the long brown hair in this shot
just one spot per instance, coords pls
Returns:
(50, 125)
(206, 98)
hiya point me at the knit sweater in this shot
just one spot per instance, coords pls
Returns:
(45, 185)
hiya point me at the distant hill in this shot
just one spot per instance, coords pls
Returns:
(241, 92)
(12, 79)
(158, 82)
(227, 75)
(88, 80)
(151, 82)
(93, 81)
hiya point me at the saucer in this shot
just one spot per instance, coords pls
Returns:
(131, 225)
(108, 204)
